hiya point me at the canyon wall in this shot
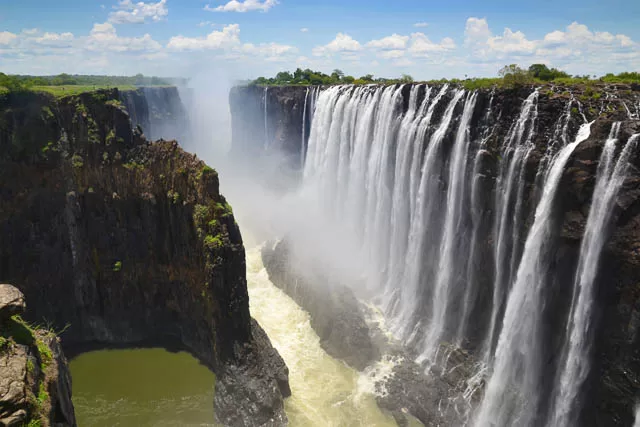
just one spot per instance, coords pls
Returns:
(158, 110)
(497, 125)
(124, 242)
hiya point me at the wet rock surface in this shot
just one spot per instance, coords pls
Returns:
(246, 394)
(435, 395)
(336, 314)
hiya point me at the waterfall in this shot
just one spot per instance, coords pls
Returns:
(508, 198)
(400, 209)
(424, 223)
(304, 129)
(453, 246)
(577, 356)
(512, 394)
(266, 118)
(454, 258)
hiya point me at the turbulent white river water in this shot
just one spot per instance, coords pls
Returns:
(325, 392)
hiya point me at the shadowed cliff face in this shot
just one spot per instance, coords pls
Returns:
(611, 391)
(159, 111)
(129, 243)
(279, 138)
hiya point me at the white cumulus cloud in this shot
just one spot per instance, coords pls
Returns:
(7, 37)
(227, 42)
(421, 24)
(421, 45)
(576, 49)
(243, 6)
(392, 42)
(138, 13)
(228, 37)
(343, 43)
(103, 37)
(391, 54)
(55, 39)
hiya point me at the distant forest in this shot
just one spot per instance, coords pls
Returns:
(509, 76)
(18, 82)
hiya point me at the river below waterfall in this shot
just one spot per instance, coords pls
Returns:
(141, 387)
(325, 391)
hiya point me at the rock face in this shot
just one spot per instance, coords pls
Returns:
(159, 111)
(613, 386)
(409, 390)
(35, 384)
(127, 242)
(336, 315)
(269, 121)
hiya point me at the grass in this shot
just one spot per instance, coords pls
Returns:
(60, 91)
(18, 330)
(213, 242)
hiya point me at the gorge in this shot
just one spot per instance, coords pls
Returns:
(416, 253)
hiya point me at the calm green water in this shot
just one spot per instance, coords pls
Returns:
(142, 387)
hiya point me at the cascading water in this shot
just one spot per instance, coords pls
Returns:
(266, 117)
(509, 187)
(512, 394)
(401, 169)
(453, 245)
(610, 178)
(303, 143)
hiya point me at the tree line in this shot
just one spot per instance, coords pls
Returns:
(509, 76)
(310, 77)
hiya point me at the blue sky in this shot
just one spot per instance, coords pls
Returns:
(247, 38)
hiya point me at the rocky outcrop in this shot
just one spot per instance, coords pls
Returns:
(128, 242)
(336, 315)
(409, 390)
(244, 392)
(35, 383)
(11, 302)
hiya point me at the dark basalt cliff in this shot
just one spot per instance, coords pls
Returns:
(129, 243)
(281, 132)
(614, 383)
(159, 111)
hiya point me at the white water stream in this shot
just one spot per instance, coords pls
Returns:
(325, 391)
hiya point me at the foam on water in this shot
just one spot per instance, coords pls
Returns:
(325, 391)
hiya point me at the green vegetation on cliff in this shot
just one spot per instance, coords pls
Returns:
(16, 332)
(509, 76)
(66, 84)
